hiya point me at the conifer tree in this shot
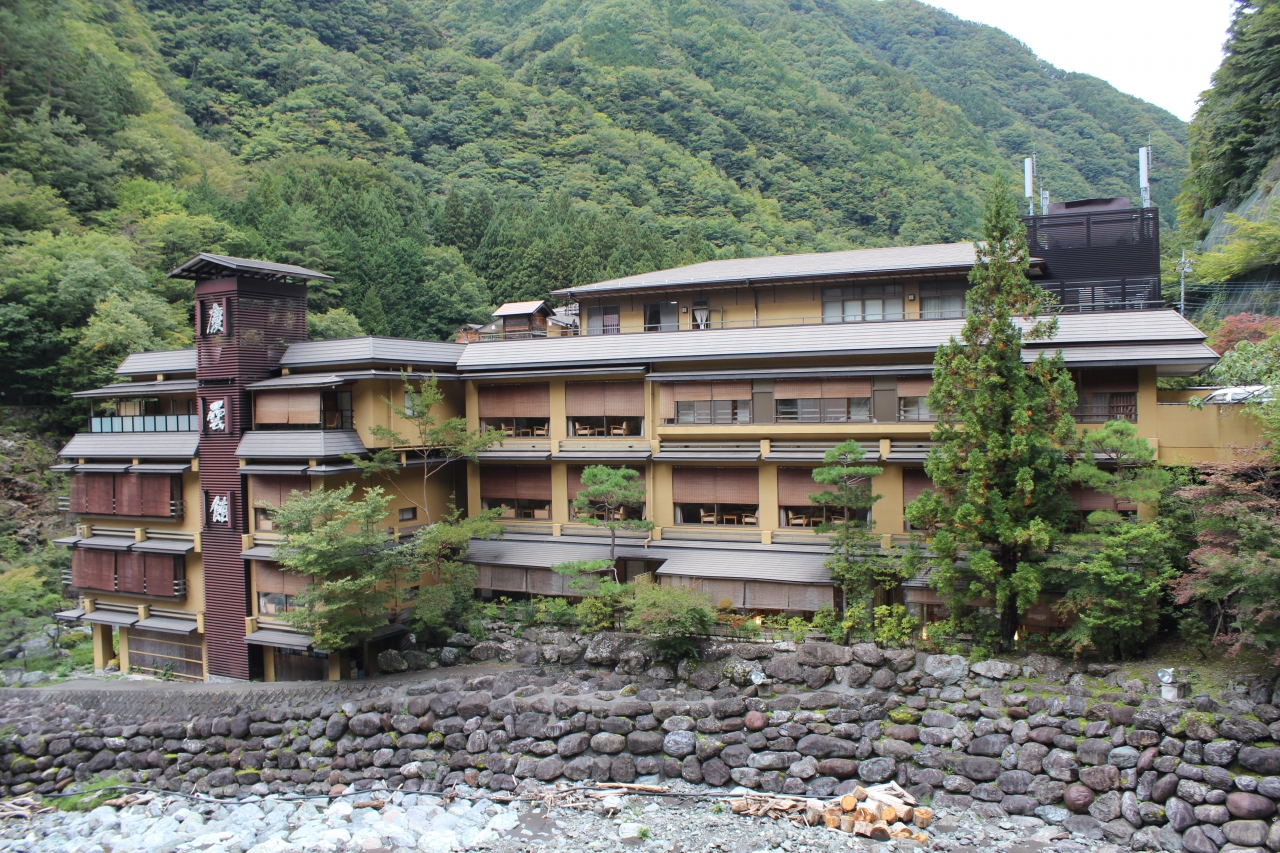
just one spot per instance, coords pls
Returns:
(1000, 464)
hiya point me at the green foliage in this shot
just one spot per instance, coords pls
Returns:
(613, 493)
(28, 600)
(1236, 133)
(856, 562)
(894, 626)
(672, 617)
(999, 465)
(827, 621)
(596, 613)
(1114, 459)
(337, 543)
(332, 324)
(1115, 580)
(87, 796)
(435, 562)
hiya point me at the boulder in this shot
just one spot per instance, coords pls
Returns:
(364, 725)
(677, 744)
(993, 744)
(1093, 751)
(606, 648)
(877, 769)
(839, 768)
(822, 746)
(868, 654)
(823, 654)
(391, 660)
(1263, 761)
(784, 667)
(1078, 798)
(1106, 807)
(1246, 806)
(1243, 729)
(994, 669)
(1246, 833)
(1103, 777)
(1180, 813)
(948, 669)
(1195, 841)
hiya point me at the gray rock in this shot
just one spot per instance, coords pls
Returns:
(679, 744)
(868, 654)
(823, 654)
(948, 669)
(1220, 753)
(877, 769)
(1246, 833)
(1106, 807)
(1179, 813)
(1093, 751)
(1264, 761)
(364, 725)
(391, 660)
(1195, 841)
(1123, 757)
(994, 669)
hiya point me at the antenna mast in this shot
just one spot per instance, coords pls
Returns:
(1028, 182)
(1144, 174)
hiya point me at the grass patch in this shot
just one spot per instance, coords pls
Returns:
(91, 795)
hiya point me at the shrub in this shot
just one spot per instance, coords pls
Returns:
(894, 626)
(595, 613)
(672, 617)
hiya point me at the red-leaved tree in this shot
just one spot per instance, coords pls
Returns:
(1235, 569)
(1242, 327)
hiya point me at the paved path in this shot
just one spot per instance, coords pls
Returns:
(141, 698)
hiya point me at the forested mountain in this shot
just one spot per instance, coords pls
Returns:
(442, 156)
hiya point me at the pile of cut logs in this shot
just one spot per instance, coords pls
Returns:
(880, 812)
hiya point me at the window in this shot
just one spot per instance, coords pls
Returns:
(847, 410)
(713, 411)
(914, 409)
(275, 603)
(335, 410)
(942, 306)
(805, 410)
(407, 513)
(262, 520)
(408, 405)
(603, 319)
(1107, 406)
(661, 316)
(717, 495)
(865, 303)
(605, 409)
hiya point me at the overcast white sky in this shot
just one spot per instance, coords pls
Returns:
(1163, 51)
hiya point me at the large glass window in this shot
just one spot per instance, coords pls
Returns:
(524, 508)
(862, 303)
(914, 409)
(718, 513)
(713, 411)
(942, 306)
(808, 515)
(275, 603)
(603, 319)
(661, 316)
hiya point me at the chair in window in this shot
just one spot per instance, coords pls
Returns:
(508, 431)
(797, 519)
(582, 429)
(540, 431)
(750, 518)
(708, 517)
(618, 429)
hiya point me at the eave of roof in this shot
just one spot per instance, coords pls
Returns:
(890, 262)
(139, 389)
(158, 362)
(894, 337)
(207, 265)
(372, 350)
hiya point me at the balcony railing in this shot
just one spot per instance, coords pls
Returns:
(146, 423)
(180, 587)
(1091, 414)
(330, 419)
(177, 509)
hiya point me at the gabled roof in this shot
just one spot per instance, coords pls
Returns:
(795, 342)
(372, 350)
(205, 266)
(520, 309)
(168, 361)
(931, 259)
(327, 379)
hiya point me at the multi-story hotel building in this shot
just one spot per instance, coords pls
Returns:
(722, 383)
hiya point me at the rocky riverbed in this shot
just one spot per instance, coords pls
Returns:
(417, 823)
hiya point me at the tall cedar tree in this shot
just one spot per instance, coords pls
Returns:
(864, 574)
(999, 466)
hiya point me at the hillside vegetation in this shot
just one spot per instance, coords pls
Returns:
(443, 156)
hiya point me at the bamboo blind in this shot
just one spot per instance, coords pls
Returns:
(526, 400)
(716, 485)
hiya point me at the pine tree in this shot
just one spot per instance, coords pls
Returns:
(1000, 465)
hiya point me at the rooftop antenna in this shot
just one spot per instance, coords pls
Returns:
(1144, 174)
(1028, 182)
(1184, 267)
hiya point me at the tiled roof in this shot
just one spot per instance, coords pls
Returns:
(167, 361)
(132, 445)
(206, 265)
(397, 351)
(299, 444)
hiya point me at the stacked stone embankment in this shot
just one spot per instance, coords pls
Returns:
(1101, 757)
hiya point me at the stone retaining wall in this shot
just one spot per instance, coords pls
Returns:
(1101, 755)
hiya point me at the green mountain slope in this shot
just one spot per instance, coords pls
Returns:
(441, 156)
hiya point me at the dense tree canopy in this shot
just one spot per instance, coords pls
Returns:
(440, 157)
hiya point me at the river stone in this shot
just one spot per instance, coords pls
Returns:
(1104, 777)
(1106, 807)
(1248, 806)
(823, 654)
(1220, 753)
(1195, 841)
(1243, 729)
(947, 669)
(877, 769)
(1263, 761)
(679, 744)
(1093, 751)
(365, 725)
(993, 744)
(1246, 833)
(1078, 798)
(1123, 757)
(1210, 813)
(1060, 764)
(822, 746)
(994, 669)
(979, 768)
(1179, 813)
(1014, 781)
(839, 768)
